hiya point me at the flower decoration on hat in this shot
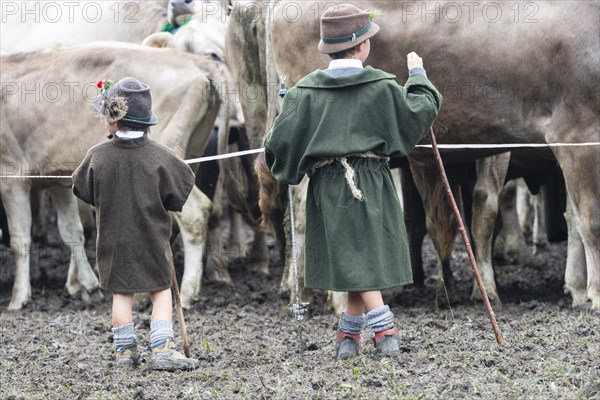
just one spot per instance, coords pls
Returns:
(104, 86)
(114, 108)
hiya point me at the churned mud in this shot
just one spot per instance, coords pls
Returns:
(60, 348)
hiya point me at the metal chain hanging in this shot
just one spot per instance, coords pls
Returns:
(298, 310)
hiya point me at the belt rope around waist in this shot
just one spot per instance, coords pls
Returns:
(350, 174)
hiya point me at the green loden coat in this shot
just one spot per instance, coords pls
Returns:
(133, 184)
(351, 245)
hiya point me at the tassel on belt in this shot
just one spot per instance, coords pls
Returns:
(350, 173)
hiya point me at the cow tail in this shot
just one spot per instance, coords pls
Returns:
(269, 188)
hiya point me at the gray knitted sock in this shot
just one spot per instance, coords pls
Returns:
(124, 336)
(160, 332)
(352, 324)
(380, 319)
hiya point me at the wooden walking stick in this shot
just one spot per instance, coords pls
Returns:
(465, 237)
(182, 330)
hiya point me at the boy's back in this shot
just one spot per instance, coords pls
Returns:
(133, 184)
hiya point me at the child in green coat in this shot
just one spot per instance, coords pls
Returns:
(355, 235)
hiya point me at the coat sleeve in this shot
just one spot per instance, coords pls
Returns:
(422, 102)
(83, 181)
(286, 143)
(176, 184)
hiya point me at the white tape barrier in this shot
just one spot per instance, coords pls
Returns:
(508, 145)
(255, 151)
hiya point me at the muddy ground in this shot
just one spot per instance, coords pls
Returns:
(60, 348)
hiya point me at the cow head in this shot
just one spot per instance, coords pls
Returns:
(204, 34)
(180, 10)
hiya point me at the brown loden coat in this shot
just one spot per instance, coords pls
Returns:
(133, 184)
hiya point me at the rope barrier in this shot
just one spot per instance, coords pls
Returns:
(260, 150)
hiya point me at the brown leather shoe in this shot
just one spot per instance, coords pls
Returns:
(167, 358)
(127, 357)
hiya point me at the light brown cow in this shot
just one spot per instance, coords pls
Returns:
(40, 25)
(47, 126)
(205, 33)
(494, 97)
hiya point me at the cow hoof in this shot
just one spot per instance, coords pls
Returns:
(17, 305)
(585, 307)
(511, 257)
(588, 308)
(578, 294)
(223, 278)
(446, 294)
(216, 271)
(284, 293)
(96, 295)
(492, 296)
(260, 267)
(72, 290)
(90, 285)
(186, 304)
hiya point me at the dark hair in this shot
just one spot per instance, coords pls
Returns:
(126, 126)
(344, 53)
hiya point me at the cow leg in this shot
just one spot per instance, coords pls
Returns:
(258, 254)
(414, 219)
(441, 227)
(193, 224)
(513, 240)
(524, 208)
(216, 259)
(581, 168)
(442, 230)
(338, 301)
(575, 275)
(299, 194)
(237, 233)
(86, 215)
(71, 232)
(491, 172)
(17, 204)
(38, 222)
(539, 233)
(304, 295)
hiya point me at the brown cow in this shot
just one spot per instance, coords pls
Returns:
(494, 97)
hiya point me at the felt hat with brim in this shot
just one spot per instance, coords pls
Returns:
(345, 26)
(129, 101)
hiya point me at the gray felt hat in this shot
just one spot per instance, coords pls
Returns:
(345, 26)
(128, 100)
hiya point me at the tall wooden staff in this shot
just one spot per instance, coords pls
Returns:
(182, 331)
(465, 237)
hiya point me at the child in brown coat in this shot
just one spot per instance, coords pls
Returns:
(134, 182)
